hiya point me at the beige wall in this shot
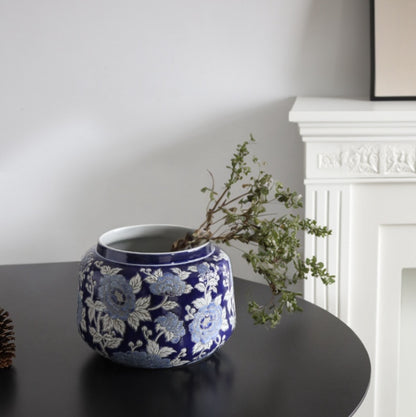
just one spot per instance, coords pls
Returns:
(395, 46)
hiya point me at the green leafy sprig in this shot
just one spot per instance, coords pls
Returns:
(242, 212)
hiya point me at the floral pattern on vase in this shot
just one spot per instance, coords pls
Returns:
(156, 316)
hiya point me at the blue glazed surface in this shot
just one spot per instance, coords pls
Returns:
(156, 315)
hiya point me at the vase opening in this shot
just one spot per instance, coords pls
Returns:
(144, 238)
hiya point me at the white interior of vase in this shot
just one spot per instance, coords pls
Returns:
(144, 238)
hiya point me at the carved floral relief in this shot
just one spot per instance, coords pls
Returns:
(400, 159)
(363, 159)
(371, 159)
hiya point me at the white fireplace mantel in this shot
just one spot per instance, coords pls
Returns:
(360, 180)
(357, 140)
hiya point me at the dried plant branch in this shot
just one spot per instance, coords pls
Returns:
(244, 216)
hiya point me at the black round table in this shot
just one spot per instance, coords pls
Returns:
(310, 365)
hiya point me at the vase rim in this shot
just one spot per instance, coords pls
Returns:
(106, 241)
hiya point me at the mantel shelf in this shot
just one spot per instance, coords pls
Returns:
(355, 110)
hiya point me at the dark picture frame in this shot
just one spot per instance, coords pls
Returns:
(393, 49)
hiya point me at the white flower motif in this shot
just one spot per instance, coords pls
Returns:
(118, 301)
(117, 296)
(154, 356)
(171, 327)
(207, 323)
(169, 285)
(208, 275)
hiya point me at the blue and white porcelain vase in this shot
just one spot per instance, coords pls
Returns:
(142, 305)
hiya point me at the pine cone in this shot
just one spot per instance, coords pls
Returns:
(7, 346)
